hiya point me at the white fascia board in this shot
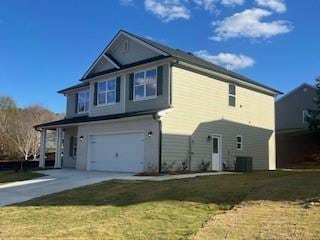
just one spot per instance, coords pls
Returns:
(112, 62)
(114, 39)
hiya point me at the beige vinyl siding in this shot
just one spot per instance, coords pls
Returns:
(68, 161)
(161, 101)
(200, 108)
(126, 105)
(144, 124)
(71, 105)
(137, 51)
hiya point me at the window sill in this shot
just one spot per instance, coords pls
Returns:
(86, 112)
(145, 98)
(106, 104)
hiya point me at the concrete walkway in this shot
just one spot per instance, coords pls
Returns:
(58, 180)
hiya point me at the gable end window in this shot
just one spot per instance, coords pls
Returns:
(106, 92)
(145, 84)
(239, 142)
(125, 47)
(83, 101)
(232, 95)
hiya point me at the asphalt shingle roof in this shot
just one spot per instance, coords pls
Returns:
(84, 119)
(177, 54)
(189, 57)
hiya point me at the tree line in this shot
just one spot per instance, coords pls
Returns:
(18, 138)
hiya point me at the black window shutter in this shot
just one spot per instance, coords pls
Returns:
(95, 91)
(76, 103)
(159, 80)
(71, 147)
(131, 78)
(118, 86)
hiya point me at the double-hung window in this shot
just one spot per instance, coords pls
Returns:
(239, 142)
(83, 101)
(106, 92)
(145, 84)
(232, 95)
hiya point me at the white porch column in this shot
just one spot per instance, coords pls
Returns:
(43, 141)
(57, 162)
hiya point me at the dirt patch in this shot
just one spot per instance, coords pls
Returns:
(264, 220)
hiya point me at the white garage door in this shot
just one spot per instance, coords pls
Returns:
(117, 152)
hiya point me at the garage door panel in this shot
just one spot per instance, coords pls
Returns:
(117, 152)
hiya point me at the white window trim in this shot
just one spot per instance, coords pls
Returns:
(241, 143)
(106, 92)
(145, 86)
(232, 95)
(78, 107)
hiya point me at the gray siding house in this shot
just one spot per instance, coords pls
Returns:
(292, 108)
(146, 107)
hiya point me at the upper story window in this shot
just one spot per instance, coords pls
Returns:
(239, 142)
(232, 95)
(145, 84)
(83, 101)
(106, 93)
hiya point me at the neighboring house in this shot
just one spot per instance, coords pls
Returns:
(145, 107)
(292, 108)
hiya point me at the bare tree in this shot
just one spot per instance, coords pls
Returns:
(8, 109)
(22, 132)
(17, 133)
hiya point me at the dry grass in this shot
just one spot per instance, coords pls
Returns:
(264, 220)
(279, 208)
(270, 205)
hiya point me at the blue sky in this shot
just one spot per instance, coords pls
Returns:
(48, 45)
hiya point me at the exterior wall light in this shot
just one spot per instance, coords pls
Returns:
(209, 138)
(81, 138)
(150, 134)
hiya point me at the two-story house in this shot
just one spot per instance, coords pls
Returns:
(146, 107)
(292, 108)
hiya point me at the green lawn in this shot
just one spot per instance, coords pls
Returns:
(12, 176)
(177, 209)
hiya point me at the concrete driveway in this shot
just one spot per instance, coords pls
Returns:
(56, 181)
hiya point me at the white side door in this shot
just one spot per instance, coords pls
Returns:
(216, 153)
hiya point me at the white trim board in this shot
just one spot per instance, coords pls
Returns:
(121, 32)
(110, 60)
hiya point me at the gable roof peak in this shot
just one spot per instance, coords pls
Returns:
(184, 56)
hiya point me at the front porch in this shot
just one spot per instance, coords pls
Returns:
(62, 157)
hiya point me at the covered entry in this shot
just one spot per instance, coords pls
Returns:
(117, 152)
